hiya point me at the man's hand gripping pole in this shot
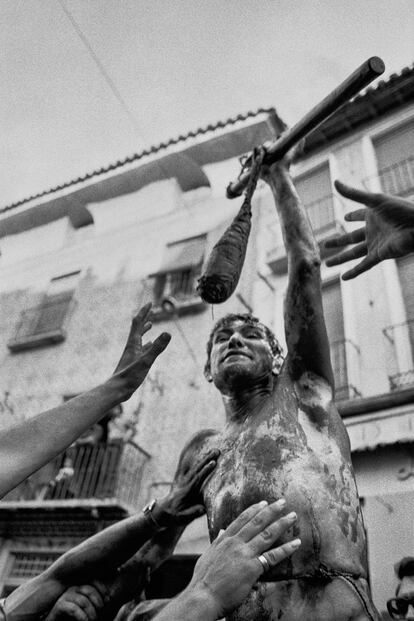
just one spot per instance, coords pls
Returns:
(359, 79)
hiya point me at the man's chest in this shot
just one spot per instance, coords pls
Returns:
(273, 457)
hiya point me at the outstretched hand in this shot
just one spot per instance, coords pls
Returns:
(226, 572)
(185, 503)
(137, 358)
(388, 232)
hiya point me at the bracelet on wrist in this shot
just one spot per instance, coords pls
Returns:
(148, 512)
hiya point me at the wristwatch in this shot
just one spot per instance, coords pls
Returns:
(147, 511)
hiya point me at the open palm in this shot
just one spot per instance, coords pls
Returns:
(137, 359)
(388, 232)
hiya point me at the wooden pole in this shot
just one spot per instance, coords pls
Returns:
(359, 79)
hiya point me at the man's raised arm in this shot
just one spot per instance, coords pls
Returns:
(307, 341)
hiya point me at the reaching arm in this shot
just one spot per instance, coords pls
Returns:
(101, 555)
(180, 507)
(25, 447)
(307, 341)
(388, 232)
(94, 557)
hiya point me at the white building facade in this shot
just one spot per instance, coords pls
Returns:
(78, 261)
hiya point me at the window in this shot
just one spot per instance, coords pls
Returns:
(315, 191)
(174, 287)
(400, 337)
(395, 159)
(43, 324)
(341, 349)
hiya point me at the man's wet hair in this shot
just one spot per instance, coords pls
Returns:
(227, 320)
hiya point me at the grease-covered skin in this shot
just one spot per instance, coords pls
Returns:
(277, 453)
(284, 437)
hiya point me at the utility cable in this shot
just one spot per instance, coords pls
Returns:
(101, 68)
(117, 94)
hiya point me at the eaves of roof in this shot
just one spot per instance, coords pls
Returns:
(375, 102)
(149, 155)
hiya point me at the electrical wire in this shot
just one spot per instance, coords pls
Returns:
(117, 94)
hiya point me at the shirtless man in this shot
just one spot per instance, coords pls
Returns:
(284, 437)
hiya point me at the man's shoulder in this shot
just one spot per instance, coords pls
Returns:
(195, 450)
(200, 441)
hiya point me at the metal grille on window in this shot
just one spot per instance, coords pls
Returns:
(395, 159)
(181, 266)
(399, 338)
(343, 351)
(30, 564)
(315, 191)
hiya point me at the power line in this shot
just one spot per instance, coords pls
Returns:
(132, 119)
(101, 68)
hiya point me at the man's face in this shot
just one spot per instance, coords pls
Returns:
(404, 600)
(240, 355)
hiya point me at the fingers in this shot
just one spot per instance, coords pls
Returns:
(152, 350)
(73, 611)
(347, 238)
(360, 196)
(191, 514)
(140, 325)
(93, 595)
(365, 265)
(204, 473)
(347, 255)
(277, 555)
(266, 537)
(80, 608)
(211, 456)
(358, 215)
(205, 468)
(102, 590)
(244, 518)
(141, 318)
(261, 520)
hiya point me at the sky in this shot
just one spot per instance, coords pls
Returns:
(176, 64)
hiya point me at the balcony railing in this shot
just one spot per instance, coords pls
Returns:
(108, 472)
(345, 356)
(397, 179)
(174, 293)
(399, 343)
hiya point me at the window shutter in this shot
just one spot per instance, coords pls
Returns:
(315, 191)
(406, 273)
(334, 320)
(395, 158)
(43, 324)
(52, 312)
